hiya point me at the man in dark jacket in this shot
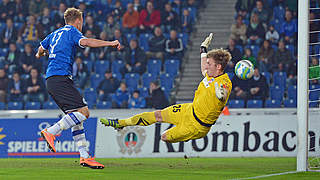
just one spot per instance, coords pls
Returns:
(235, 53)
(240, 88)
(16, 88)
(258, 86)
(174, 46)
(107, 86)
(169, 18)
(3, 85)
(9, 33)
(156, 45)
(157, 98)
(12, 63)
(135, 59)
(35, 87)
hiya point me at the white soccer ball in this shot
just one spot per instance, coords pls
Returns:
(244, 69)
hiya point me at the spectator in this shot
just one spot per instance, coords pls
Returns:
(282, 58)
(117, 11)
(314, 70)
(80, 73)
(89, 53)
(12, 63)
(103, 51)
(31, 31)
(6, 10)
(45, 20)
(28, 60)
(149, 18)
(265, 56)
(137, 6)
(35, 88)
(258, 86)
(157, 98)
(272, 35)
(16, 88)
(136, 101)
(255, 31)
(238, 31)
(289, 29)
(118, 54)
(261, 12)
(174, 46)
(9, 34)
(110, 26)
(35, 6)
(20, 7)
(121, 97)
(186, 21)
(130, 19)
(90, 25)
(107, 86)
(135, 59)
(313, 26)
(244, 5)
(235, 54)
(240, 89)
(59, 15)
(156, 45)
(169, 18)
(249, 56)
(3, 85)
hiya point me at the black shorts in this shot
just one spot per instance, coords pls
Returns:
(64, 93)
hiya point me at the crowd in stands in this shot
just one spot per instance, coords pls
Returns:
(265, 33)
(153, 36)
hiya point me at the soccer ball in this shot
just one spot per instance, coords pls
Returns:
(244, 69)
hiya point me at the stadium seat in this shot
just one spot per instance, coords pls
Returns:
(279, 13)
(166, 92)
(254, 49)
(50, 105)
(95, 79)
(277, 24)
(236, 104)
(32, 106)
(154, 66)
(2, 106)
(290, 103)
(166, 81)
(171, 66)
(90, 95)
(254, 104)
(132, 80)
(292, 92)
(147, 78)
(144, 92)
(272, 103)
(131, 36)
(240, 47)
(88, 63)
(276, 93)
(279, 79)
(267, 76)
(143, 41)
(104, 105)
(116, 66)
(185, 38)
(117, 76)
(101, 66)
(15, 106)
(290, 47)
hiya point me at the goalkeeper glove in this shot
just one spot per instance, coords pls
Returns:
(221, 92)
(205, 44)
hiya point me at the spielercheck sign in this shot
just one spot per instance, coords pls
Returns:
(232, 136)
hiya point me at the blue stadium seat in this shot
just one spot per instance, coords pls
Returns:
(95, 79)
(185, 38)
(101, 24)
(88, 64)
(143, 41)
(171, 66)
(101, 66)
(277, 24)
(240, 47)
(166, 92)
(254, 104)
(32, 105)
(279, 79)
(276, 93)
(290, 103)
(236, 104)
(254, 49)
(279, 13)
(132, 80)
(131, 36)
(290, 47)
(2, 106)
(104, 105)
(117, 76)
(18, 25)
(166, 81)
(116, 66)
(274, 47)
(15, 106)
(272, 103)
(267, 75)
(90, 95)
(144, 92)
(50, 105)
(154, 66)
(292, 92)
(147, 78)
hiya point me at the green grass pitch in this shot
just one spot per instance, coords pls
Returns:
(152, 168)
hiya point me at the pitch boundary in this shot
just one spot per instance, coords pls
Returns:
(268, 175)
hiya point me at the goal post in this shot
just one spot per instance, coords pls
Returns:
(303, 85)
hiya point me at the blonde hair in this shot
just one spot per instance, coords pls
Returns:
(220, 56)
(71, 14)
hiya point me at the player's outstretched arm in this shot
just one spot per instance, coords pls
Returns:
(203, 52)
(89, 42)
(41, 52)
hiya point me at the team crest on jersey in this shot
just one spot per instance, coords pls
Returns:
(207, 82)
(130, 139)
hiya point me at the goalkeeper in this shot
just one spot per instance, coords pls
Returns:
(191, 120)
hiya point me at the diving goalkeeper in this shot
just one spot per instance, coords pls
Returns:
(191, 120)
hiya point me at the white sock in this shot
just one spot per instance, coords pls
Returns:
(79, 138)
(83, 152)
(55, 129)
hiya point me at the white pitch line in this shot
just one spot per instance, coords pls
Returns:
(267, 175)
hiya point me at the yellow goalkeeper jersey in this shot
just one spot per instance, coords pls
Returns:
(207, 107)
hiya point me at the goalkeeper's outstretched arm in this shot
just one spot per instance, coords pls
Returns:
(203, 52)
